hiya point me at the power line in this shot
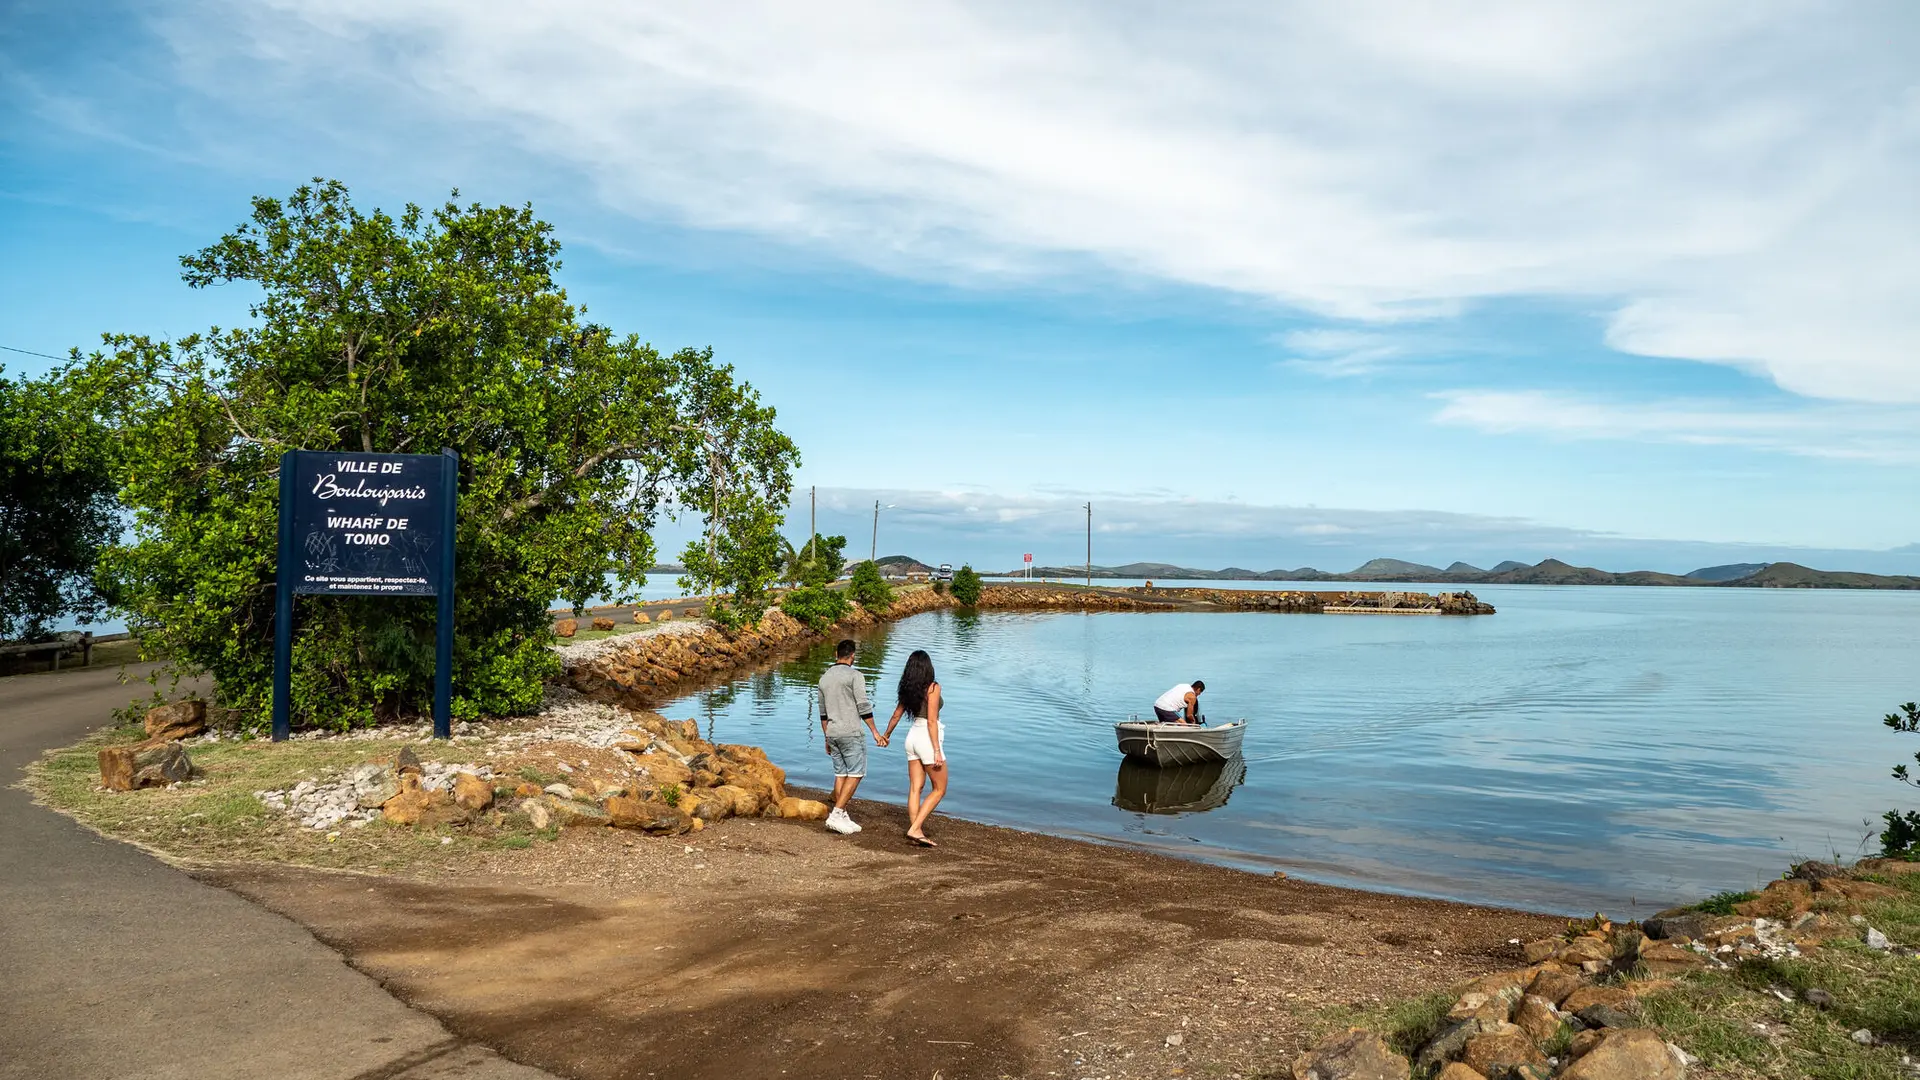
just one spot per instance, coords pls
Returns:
(30, 352)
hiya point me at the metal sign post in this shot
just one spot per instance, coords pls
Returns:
(354, 524)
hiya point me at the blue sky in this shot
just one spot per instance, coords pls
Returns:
(1630, 285)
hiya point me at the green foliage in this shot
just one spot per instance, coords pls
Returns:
(869, 589)
(816, 605)
(1901, 839)
(670, 794)
(407, 335)
(56, 505)
(966, 586)
(817, 562)
(1723, 903)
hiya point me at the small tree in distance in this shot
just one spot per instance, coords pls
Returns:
(869, 589)
(1901, 840)
(966, 586)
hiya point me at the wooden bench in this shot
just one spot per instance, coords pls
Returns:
(63, 645)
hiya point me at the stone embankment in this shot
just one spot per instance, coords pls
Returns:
(1574, 1012)
(648, 669)
(1305, 602)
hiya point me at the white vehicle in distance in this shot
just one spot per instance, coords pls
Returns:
(945, 573)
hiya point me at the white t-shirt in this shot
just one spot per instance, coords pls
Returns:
(1174, 700)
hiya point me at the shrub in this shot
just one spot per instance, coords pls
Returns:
(432, 329)
(816, 605)
(670, 794)
(1723, 903)
(966, 586)
(1901, 840)
(869, 589)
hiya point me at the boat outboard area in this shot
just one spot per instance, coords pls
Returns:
(1155, 742)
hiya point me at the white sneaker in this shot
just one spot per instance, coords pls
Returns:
(839, 822)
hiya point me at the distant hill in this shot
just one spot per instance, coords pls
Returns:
(1394, 570)
(1786, 575)
(1729, 572)
(1783, 575)
(900, 565)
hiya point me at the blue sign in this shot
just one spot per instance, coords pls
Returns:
(356, 524)
(368, 524)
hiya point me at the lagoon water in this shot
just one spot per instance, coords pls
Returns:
(1612, 749)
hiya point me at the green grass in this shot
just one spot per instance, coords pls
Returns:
(216, 817)
(1712, 1014)
(1407, 1025)
(1723, 903)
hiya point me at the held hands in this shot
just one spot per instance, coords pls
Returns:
(880, 740)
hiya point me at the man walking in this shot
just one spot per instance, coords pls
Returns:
(843, 708)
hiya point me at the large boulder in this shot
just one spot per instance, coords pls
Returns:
(1783, 899)
(470, 793)
(155, 763)
(571, 813)
(1537, 1017)
(803, 809)
(1662, 958)
(1554, 986)
(1588, 996)
(663, 768)
(645, 815)
(565, 628)
(1626, 1054)
(1356, 1055)
(177, 720)
(373, 784)
(1499, 1053)
(409, 804)
(742, 803)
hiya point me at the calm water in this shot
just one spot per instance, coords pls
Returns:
(1613, 749)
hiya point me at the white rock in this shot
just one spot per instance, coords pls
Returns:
(1877, 940)
(1863, 1037)
(1176, 1039)
(1681, 1057)
(558, 791)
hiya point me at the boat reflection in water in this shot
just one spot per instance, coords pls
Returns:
(1177, 789)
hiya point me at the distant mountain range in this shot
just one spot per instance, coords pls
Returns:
(1780, 575)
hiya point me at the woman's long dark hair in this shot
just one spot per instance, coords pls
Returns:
(914, 682)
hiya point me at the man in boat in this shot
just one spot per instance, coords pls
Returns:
(843, 709)
(1180, 704)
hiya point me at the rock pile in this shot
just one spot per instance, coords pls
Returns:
(161, 759)
(674, 782)
(1573, 1012)
(1550, 1019)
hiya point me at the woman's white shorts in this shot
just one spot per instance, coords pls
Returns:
(920, 745)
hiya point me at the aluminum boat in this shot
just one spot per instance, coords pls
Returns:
(1158, 743)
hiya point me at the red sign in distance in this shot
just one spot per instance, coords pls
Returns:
(1029, 556)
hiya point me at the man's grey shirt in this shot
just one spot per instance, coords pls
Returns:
(843, 700)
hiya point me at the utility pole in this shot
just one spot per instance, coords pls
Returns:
(813, 518)
(873, 552)
(1089, 545)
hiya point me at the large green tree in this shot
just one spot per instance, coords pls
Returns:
(406, 335)
(56, 506)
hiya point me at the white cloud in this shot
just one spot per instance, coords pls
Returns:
(1846, 432)
(1734, 178)
(1340, 353)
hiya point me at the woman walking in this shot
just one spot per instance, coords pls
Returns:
(919, 697)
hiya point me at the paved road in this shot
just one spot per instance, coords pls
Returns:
(118, 965)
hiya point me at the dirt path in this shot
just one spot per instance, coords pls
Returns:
(773, 948)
